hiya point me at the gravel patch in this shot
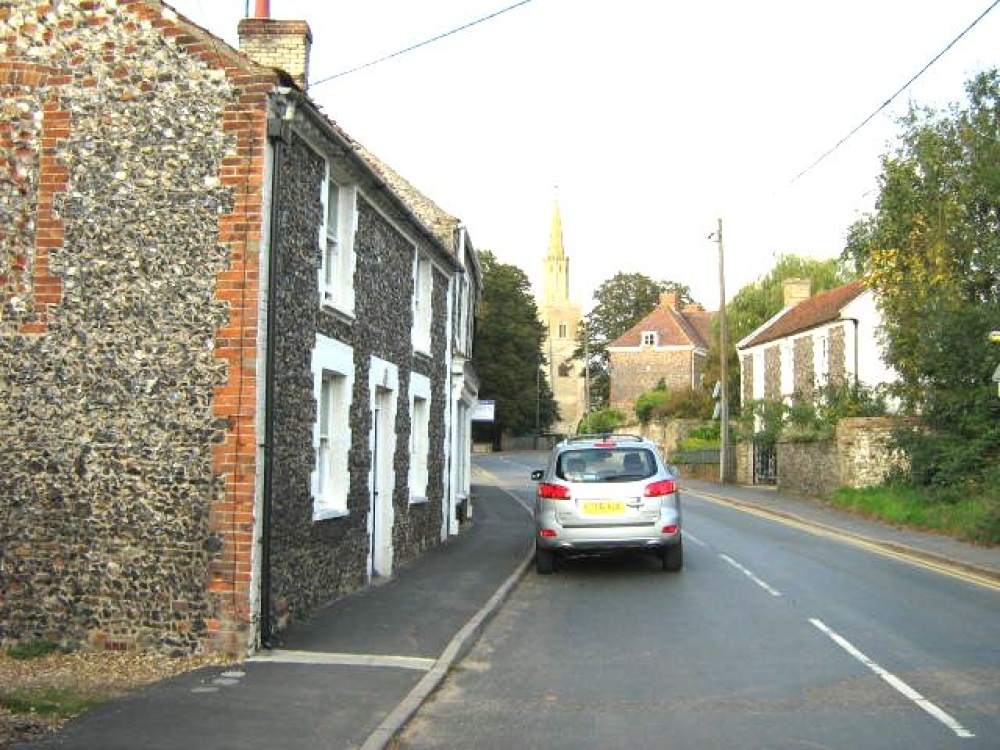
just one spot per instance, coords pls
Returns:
(84, 675)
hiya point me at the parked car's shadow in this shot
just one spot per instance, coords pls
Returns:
(612, 564)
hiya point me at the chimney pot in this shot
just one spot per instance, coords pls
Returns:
(262, 9)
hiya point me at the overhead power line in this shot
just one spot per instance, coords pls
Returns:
(423, 43)
(902, 88)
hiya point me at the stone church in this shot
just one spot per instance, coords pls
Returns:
(561, 318)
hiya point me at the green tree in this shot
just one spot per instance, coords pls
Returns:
(508, 350)
(619, 303)
(931, 252)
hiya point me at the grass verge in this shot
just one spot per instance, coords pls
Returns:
(971, 514)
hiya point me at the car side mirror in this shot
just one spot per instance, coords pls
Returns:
(537, 475)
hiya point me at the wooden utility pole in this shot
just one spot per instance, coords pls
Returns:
(724, 395)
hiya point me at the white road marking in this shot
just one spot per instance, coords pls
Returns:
(879, 547)
(352, 660)
(749, 574)
(894, 681)
(689, 536)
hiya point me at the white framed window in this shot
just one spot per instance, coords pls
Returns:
(340, 222)
(649, 338)
(333, 384)
(420, 419)
(423, 288)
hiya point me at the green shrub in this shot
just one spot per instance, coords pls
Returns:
(605, 420)
(33, 649)
(649, 404)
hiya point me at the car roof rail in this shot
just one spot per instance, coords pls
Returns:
(605, 436)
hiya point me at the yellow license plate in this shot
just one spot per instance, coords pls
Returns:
(604, 507)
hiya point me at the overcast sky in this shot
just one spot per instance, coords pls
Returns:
(654, 118)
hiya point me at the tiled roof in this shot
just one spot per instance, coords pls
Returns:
(815, 311)
(441, 223)
(673, 327)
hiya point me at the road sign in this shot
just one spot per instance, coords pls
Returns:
(485, 411)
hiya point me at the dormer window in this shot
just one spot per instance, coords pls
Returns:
(649, 338)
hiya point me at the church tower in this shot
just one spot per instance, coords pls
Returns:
(561, 319)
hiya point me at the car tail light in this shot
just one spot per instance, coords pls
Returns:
(670, 529)
(661, 488)
(553, 491)
(605, 445)
(547, 533)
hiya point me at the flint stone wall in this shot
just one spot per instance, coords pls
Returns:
(860, 455)
(314, 563)
(110, 150)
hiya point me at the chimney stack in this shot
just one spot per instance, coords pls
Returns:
(796, 291)
(277, 44)
(668, 299)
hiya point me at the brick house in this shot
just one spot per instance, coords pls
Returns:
(831, 338)
(234, 355)
(670, 344)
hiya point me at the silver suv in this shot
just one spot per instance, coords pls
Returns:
(602, 493)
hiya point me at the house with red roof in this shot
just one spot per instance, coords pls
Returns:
(830, 339)
(670, 344)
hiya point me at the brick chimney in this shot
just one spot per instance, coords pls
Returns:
(277, 44)
(796, 291)
(668, 299)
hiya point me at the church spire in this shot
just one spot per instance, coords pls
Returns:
(555, 282)
(556, 249)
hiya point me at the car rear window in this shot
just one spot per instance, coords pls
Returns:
(606, 465)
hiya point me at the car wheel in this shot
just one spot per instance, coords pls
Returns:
(545, 561)
(673, 557)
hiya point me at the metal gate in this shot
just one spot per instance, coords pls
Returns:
(765, 463)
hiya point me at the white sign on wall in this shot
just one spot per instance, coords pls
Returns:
(484, 411)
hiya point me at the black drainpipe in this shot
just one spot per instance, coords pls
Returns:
(277, 133)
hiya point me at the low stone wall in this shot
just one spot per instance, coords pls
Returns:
(859, 455)
(865, 453)
(808, 468)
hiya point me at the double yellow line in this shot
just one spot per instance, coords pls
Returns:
(884, 548)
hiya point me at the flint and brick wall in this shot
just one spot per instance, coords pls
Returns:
(130, 222)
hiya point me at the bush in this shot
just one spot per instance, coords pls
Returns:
(662, 403)
(649, 404)
(605, 420)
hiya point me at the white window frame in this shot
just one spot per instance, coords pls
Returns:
(420, 420)
(649, 338)
(336, 239)
(333, 388)
(423, 301)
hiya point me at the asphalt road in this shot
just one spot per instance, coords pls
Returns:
(771, 637)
